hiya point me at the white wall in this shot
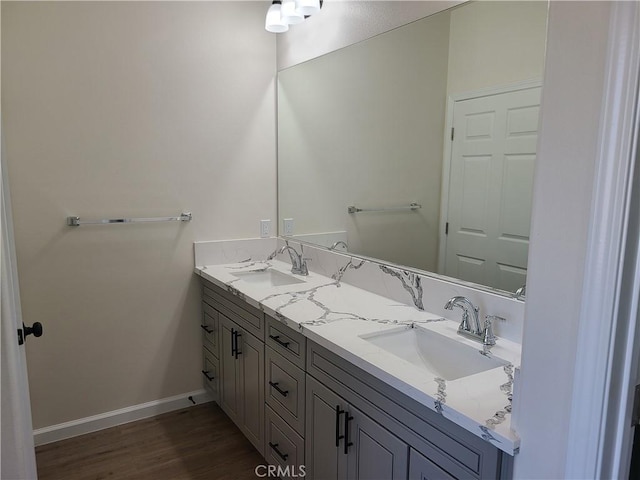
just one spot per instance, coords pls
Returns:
(564, 176)
(129, 109)
(342, 23)
(496, 43)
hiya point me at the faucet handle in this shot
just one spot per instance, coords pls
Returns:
(488, 337)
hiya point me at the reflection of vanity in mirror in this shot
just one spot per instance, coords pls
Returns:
(417, 147)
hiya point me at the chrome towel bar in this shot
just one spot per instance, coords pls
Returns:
(74, 221)
(411, 206)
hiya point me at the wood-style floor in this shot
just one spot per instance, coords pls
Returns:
(195, 443)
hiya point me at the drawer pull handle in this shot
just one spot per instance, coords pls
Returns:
(347, 443)
(206, 328)
(284, 393)
(206, 374)
(339, 437)
(276, 338)
(274, 447)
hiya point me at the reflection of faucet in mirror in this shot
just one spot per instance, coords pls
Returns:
(520, 292)
(272, 255)
(298, 263)
(338, 243)
(473, 331)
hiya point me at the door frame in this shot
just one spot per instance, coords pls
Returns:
(448, 148)
(608, 347)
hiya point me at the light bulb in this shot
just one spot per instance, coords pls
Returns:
(274, 22)
(307, 7)
(289, 13)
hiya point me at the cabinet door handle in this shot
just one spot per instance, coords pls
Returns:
(206, 328)
(206, 374)
(284, 393)
(234, 342)
(276, 338)
(347, 443)
(238, 352)
(274, 447)
(339, 437)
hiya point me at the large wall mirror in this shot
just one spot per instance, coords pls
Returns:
(417, 146)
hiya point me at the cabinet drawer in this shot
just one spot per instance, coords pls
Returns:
(209, 327)
(283, 446)
(421, 468)
(211, 373)
(235, 308)
(285, 389)
(286, 341)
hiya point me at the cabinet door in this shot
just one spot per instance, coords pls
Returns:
(251, 366)
(229, 372)
(421, 468)
(324, 434)
(375, 452)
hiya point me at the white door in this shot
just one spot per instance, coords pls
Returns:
(17, 448)
(493, 154)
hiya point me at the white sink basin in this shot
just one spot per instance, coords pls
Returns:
(435, 353)
(267, 278)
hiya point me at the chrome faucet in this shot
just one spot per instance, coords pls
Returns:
(298, 263)
(520, 292)
(336, 244)
(466, 328)
(471, 328)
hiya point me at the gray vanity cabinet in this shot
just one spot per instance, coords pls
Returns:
(324, 439)
(421, 468)
(242, 380)
(393, 436)
(343, 443)
(301, 404)
(210, 351)
(375, 452)
(285, 396)
(211, 373)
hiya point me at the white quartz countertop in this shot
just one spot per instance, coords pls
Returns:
(343, 318)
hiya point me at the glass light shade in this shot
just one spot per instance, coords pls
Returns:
(289, 13)
(307, 7)
(274, 22)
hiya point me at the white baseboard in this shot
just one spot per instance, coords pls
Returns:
(94, 423)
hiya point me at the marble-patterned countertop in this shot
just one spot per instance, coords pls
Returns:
(343, 318)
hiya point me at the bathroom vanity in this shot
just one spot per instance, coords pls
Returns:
(317, 372)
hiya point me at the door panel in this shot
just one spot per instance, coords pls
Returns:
(490, 188)
(376, 453)
(18, 454)
(323, 459)
(229, 372)
(421, 468)
(251, 364)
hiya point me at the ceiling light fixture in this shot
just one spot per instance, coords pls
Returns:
(274, 22)
(283, 13)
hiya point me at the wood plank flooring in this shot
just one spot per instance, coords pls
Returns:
(199, 442)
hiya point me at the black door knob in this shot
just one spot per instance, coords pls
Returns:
(35, 330)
